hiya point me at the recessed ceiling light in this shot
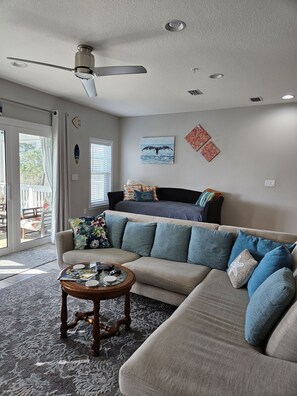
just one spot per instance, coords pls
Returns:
(19, 64)
(288, 96)
(216, 76)
(175, 26)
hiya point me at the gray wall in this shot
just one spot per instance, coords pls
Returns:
(93, 124)
(256, 143)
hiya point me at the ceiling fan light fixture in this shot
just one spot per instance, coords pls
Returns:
(288, 96)
(175, 25)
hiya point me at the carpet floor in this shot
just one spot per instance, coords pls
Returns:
(16, 263)
(35, 361)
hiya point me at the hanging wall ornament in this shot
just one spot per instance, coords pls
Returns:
(76, 154)
(76, 122)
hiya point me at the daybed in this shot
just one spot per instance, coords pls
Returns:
(201, 349)
(178, 203)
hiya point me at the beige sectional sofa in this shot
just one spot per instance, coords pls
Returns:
(201, 349)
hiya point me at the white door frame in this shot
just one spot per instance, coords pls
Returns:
(12, 130)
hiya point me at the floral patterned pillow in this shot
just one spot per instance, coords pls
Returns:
(89, 232)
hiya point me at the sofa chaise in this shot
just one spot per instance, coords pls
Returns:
(201, 349)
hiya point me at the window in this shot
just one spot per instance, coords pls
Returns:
(100, 170)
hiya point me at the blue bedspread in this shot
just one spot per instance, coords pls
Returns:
(176, 210)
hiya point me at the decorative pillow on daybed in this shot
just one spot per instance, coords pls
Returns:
(151, 188)
(129, 191)
(241, 269)
(204, 197)
(267, 304)
(143, 196)
(89, 232)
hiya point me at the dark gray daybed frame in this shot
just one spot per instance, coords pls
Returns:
(211, 213)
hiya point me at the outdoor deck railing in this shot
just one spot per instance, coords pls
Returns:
(31, 195)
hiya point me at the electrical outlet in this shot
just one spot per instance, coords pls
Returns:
(269, 183)
(74, 176)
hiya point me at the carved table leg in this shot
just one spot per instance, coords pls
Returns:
(96, 329)
(127, 311)
(64, 327)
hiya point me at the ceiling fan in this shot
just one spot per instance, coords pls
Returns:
(85, 68)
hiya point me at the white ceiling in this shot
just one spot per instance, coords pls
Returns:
(252, 42)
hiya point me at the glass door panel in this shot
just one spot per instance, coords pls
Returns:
(3, 200)
(35, 186)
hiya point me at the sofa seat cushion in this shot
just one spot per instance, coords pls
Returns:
(200, 350)
(109, 255)
(175, 276)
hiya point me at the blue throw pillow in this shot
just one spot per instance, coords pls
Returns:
(267, 304)
(204, 198)
(257, 246)
(272, 261)
(139, 237)
(210, 247)
(115, 229)
(143, 196)
(171, 242)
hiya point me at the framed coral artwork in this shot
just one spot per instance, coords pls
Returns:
(210, 151)
(197, 137)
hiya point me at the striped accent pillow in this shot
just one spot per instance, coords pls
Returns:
(204, 198)
(129, 191)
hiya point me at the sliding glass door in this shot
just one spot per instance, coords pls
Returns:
(3, 194)
(25, 185)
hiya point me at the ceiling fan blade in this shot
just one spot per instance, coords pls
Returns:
(89, 86)
(115, 70)
(40, 63)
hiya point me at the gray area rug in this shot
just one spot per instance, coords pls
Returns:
(34, 361)
(16, 263)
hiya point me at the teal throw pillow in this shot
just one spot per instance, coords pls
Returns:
(143, 196)
(89, 232)
(210, 247)
(257, 246)
(204, 198)
(115, 229)
(267, 304)
(171, 242)
(139, 237)
(272, 261)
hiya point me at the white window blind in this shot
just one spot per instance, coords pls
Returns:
(100, 155)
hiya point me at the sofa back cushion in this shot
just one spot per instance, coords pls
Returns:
(267, 304)
(256, 245)
(171, 242)
(272, 261)
(282, 343)
(210, 247)
(139, 237)
(115, 229)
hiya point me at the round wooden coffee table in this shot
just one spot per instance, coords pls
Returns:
(96, 294)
